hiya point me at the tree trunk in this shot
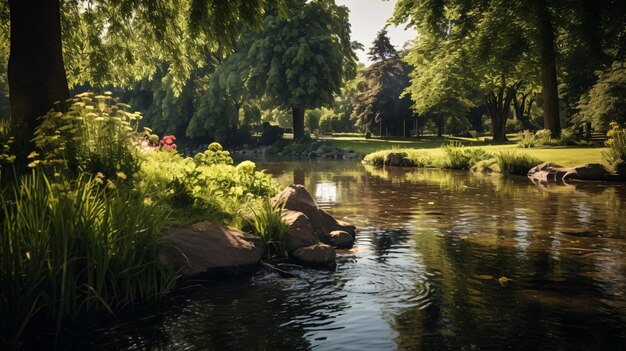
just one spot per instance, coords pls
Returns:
(550, 90)
(522, 107)
(36, 72)
(499, 109)
(298, 122)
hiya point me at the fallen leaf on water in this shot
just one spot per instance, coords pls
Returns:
(504, 281)
(484, 276)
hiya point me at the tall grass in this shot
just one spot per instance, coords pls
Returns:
(72, 247)
(515, 163)
(269, 225)
(461, 157)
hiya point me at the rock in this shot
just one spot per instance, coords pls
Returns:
(620, 169)
(330, 223)
(547, 171)
(349, 155)
(397, 159)
(297, 198)
(299, 231)
(550, 172)
(341, 239)
(211, 249)
(313, 154)
(315, 256)
(588, 171)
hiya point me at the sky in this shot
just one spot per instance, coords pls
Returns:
(367, 17)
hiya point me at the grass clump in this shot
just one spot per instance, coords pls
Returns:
(526, 139)
(461, 157)
(72, 246)
(515, 163)
(269, 225)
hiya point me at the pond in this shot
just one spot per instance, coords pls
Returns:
(442, 260)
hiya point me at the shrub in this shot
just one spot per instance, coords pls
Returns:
(209, 184)
(461, 157)
(527, 139)
(214, 154)
(515, 163)
(96, 134)
(567, 137)
(616, 145)
(544, 137)
(68, 247)
(271, 134)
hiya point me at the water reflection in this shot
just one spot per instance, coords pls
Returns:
(424, 272)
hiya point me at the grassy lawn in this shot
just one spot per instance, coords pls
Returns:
(563, 155)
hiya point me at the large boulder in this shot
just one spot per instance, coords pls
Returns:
(295, 197)
(315, 256)
(211, 249)
(299, 230)
(547, 171)
(341, 239)
(588, 171)
(550, 172)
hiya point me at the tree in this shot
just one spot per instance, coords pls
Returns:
(606, 100)
(380, 100)
(136, 32)
(299, 63)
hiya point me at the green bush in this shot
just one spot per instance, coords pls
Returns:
(96, 134)
(527, 139)
(461, 157)
(209, 184)
(68, 247)
(616, 145)
(567, 137)
(515, 163)
(543, 136)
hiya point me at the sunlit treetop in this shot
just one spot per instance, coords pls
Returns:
(118, 41)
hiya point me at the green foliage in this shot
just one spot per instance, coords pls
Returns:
(527, 139)
(461, 157)
(297, 62)
(515, 163)
(544, 137)
(6, 141)
(380, 102)
(606, 100)
(269, 225)
(207, 184)
(616, 145)
(96, 134)
(214, 154)
(69, 247)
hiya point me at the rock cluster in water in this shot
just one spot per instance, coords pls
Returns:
(212, 249)
(551, 172)
(312, 233)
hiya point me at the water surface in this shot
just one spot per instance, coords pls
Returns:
(427, 272)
